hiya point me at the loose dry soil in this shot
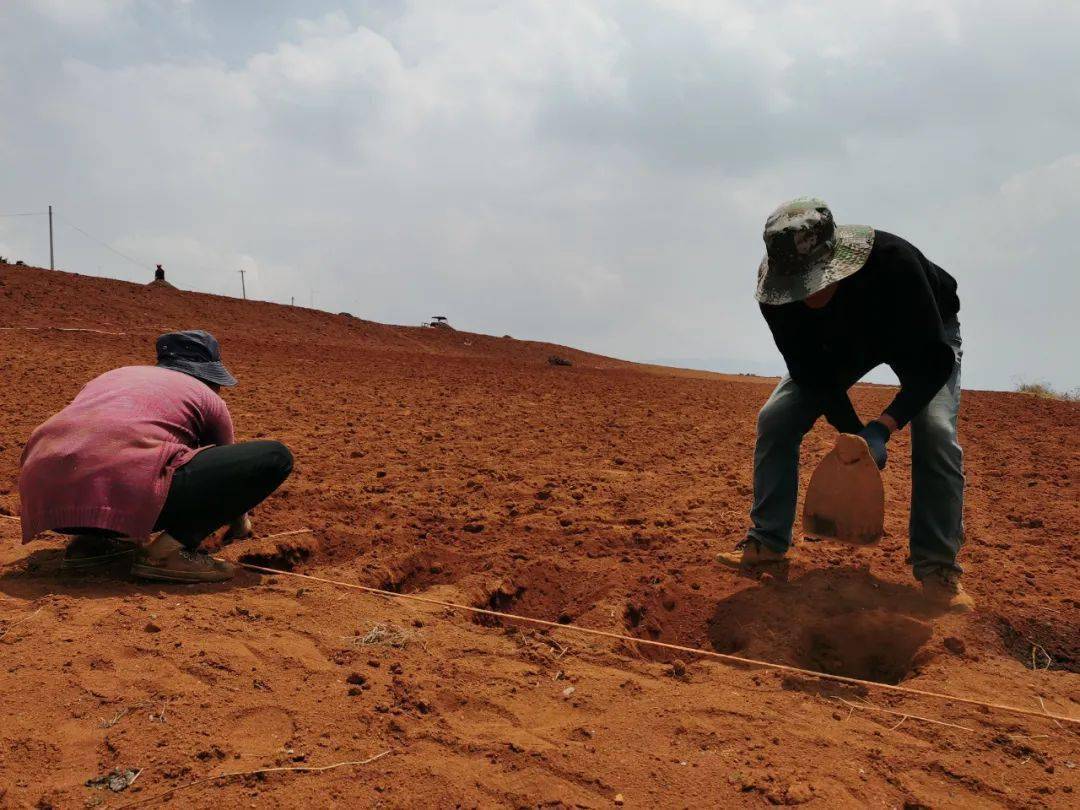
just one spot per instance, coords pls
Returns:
(468, 468)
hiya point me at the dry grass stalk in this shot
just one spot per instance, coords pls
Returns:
(236, 774)
(902, 715)
(1042, 655)
(154, 717)
(1045, 391)
(389, 635)
(13, 625)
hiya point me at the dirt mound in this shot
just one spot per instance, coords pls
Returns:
(467, 468)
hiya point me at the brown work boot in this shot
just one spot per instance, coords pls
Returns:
(167, 560)
(748, 554)
(943, 588)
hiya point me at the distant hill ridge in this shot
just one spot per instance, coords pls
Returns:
(39, 298)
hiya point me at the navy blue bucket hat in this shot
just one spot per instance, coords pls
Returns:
(194, 352)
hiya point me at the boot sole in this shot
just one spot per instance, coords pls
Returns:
(144, 571)
(737, 565)
(98, 561)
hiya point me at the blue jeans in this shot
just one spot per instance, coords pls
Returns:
(936, 529)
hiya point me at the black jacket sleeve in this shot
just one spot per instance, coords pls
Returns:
(810, 374)
(918, 350)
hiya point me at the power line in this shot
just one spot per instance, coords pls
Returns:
(105, 245)
(136, 262)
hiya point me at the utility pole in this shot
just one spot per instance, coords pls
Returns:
(52, 264)
(292, 301)
(243, 286)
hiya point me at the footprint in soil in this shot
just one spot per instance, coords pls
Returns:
(259, 731)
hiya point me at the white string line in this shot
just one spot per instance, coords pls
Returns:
(676, 647)
(649, 642)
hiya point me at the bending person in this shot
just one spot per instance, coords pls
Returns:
(841, 300)
(146, 449)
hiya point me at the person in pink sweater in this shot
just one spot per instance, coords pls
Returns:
(145, 449)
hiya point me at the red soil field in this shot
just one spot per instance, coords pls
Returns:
(467, 468)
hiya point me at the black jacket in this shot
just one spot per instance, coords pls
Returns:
(892, 311)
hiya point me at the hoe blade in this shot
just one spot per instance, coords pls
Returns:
(846, 499)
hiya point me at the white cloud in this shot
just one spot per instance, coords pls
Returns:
(589, 172)
(331, 24)
(87, 13)
(1019, 247)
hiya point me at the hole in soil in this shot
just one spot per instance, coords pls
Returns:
(1038, 645)
(418, 571)
(284, 556)
(634, 615)
(284, 553)
(671, 614)
(731, 642)
(842, 621)
(503, 600)
(543, 591)
(872, 645)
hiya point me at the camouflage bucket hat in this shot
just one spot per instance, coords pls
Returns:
(806, 251)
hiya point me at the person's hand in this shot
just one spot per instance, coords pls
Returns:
(877, 436)
(239, 529)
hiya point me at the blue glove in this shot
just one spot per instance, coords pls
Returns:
(876, 436)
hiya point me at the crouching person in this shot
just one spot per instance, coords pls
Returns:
(145, 449)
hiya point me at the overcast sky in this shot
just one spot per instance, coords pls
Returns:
(591, 173)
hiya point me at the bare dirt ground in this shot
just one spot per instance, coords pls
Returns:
(467, 468)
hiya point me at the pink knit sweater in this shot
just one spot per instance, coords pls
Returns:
(106, 460)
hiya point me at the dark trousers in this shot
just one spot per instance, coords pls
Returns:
(219, 485)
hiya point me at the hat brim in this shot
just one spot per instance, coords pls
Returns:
(211, 372)
(853, 246)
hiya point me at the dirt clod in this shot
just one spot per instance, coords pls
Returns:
(798, 793)
(954, 645)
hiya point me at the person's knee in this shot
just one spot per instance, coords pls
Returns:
(775, 420)
(935, 435)
(279, 458)
(934, 446)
